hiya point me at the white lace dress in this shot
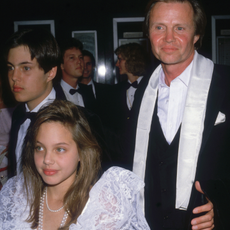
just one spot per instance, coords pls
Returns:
(113, 204)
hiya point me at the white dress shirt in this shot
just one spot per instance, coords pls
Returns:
(23, 128)
(75, 98)
(131, 92)
(171, 102)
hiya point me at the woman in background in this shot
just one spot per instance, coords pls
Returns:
(59, 186)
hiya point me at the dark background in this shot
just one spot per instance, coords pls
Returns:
(74, 15)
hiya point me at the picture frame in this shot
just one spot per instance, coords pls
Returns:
(117, 21)
(89, 41)
(220, 39)
(45, 24)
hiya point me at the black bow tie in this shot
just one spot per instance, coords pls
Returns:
(73, 91)
(26, 115)
(134, 84)
(30, 115)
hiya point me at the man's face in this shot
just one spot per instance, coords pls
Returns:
(27, 80)
(88, 67)
(121, 64)
(73, 64)
(171, 32)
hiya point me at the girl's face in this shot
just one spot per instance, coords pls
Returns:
(56, 155)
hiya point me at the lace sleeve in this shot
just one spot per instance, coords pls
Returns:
(13, 205)
(114, 203)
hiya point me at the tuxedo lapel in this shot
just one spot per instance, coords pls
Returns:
(138, 95)
(216, 95)
(16, 122)
(60, 95)
(88, 97)
(124, 98)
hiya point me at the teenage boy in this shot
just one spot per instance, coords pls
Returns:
(32, 58)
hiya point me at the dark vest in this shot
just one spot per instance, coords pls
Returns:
(160, 181)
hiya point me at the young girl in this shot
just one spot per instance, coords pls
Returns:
(59, 186)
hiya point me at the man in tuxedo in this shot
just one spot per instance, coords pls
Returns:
(132, 63)
(72, 68)
(32, 58)
(181, 147)
(100, 91)
(89, 68)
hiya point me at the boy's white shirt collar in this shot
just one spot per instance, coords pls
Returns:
(49, 99)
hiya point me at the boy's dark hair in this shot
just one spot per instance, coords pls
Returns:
(89, 54)
(41, 44)
(69, 44)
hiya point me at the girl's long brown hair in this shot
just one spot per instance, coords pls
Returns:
(89, 166)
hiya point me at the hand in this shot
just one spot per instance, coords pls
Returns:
(205, 222)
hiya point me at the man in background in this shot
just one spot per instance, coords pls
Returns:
(132, 63)
(72, 68)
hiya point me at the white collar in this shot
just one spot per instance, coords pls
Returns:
(66, 86)
(91, 82)
(49, 99)
(138, 80)
(184, 77)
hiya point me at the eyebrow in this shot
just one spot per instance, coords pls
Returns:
(21, 63)
(60, 143)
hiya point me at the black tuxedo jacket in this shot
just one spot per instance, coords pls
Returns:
(88, 97)
(119, 115)
(213, 169)
(101, 90)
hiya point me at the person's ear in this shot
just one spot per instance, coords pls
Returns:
(52, 74)
(196, 38)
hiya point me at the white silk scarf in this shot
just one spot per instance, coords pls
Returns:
(191, 128)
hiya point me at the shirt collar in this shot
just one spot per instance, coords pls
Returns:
(66, 86)
(184, 77)
(91, 82)
(49, 99)
(138, 80)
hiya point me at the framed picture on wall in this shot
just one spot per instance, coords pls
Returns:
(221, 39)
(45, 24)
(89, 41)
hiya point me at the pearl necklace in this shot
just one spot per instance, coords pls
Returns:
(47, 205)
(41, 208)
